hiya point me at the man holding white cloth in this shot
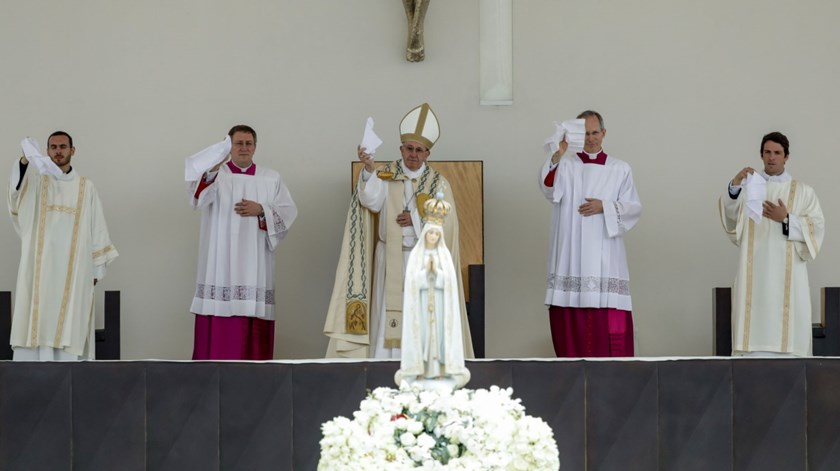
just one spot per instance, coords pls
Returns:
(594, 204)
(65, 247)
(779, 226)
(245, 211)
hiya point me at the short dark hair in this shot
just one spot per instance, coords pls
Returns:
(60, 133)
(778, 138)
(243, 128)
(596, 114)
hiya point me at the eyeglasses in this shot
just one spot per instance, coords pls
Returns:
(418, 150)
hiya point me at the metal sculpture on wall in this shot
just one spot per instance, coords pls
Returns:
(415, 13)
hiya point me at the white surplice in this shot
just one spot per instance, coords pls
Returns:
(587, 265)
(64, 246)
(236, 257)
(771, 299)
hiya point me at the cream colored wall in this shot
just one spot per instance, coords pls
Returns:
(687, 90)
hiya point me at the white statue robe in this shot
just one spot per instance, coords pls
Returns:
(65, 245)
(236, 256)
(771, 299)
(587, 264)
(432, 345)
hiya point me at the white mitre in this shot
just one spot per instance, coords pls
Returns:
(420, 125)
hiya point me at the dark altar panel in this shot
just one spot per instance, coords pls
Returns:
(695, 415)
(769, 406)
(35, 417)
(182, 414)
(108, 416)
(323, 391)
(555, 391)
(823, 415)
(704, 414)
(256, 416)
(621, 415)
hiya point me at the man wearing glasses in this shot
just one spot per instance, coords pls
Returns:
(365, 315)
(594, 204)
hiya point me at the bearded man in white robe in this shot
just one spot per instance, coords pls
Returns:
(778, 231)
(65, 247)
(594, 204)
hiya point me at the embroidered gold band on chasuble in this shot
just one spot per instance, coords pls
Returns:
(788, 275)
(426, 184)
(787, 286)
(42, 219)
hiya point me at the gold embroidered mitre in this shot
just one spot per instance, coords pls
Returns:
(420, 125)
(436, 209)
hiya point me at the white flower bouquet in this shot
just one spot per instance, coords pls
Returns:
(412, 428)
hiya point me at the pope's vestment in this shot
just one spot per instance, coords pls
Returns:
(369, 283)
(587, 264)
(235, 280)
(65, 245)
(771, 299)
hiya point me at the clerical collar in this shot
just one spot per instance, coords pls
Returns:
(599, 158)
(251, 170)
(66, 176)
(414, 173)
(784, 177)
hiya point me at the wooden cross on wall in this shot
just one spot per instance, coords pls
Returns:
(415, 13)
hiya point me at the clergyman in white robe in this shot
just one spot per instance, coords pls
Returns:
(588, 280)
(65, 246)
(771, 299)
(234, 298)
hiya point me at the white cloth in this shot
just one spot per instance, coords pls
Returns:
(44, 165)
(432, 346)
(370, 141)
(587, 264)
(771, 299)
(235, 259)
(756, 188)
(64, 246)
(197, 164)
(573, 130)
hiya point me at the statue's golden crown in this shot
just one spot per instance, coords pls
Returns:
(436, 209)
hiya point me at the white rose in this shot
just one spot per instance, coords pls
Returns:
(407, 439)
(425, 441)
(453, 450)
(414, 427)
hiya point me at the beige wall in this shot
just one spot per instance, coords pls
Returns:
(687, 90)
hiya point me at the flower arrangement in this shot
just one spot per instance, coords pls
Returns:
(412, 428)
